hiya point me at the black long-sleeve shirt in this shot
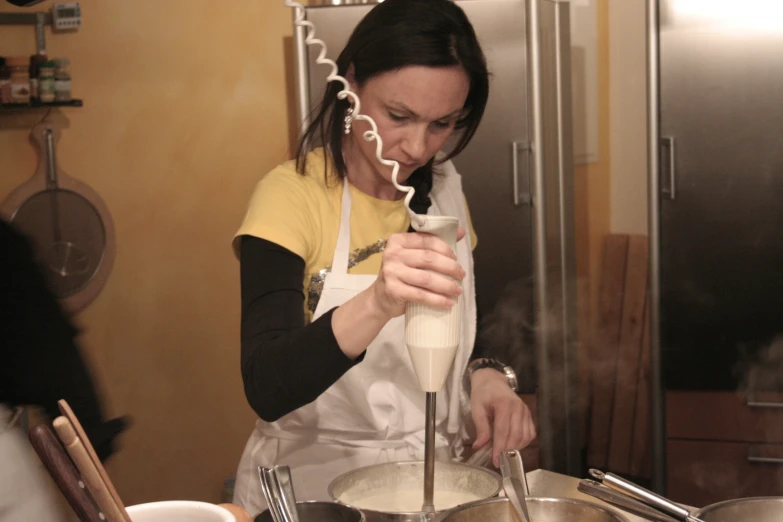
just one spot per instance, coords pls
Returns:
(285, 364)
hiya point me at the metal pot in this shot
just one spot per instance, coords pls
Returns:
(319, 512)
(392, 477)
(541, 510)
(757, 509)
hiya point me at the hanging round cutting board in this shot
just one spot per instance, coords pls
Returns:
(68, 223)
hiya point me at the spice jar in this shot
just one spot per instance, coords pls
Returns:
(20, 78)
(35, 65)
(62, 80)
(5, 82)
(46, 82)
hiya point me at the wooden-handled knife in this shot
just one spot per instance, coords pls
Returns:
(64, 473)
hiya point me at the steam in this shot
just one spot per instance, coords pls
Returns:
(762, 371)
(507, 334)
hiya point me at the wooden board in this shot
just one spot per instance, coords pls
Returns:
(723, 416)
(604, 349)
(629, 356)
(704, 472)
(641, 453)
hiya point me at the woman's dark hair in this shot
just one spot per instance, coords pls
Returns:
(393, 35)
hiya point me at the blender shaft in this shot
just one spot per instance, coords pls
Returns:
(429, 455)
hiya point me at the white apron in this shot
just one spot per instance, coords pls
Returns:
(376, 411)
(26, 491)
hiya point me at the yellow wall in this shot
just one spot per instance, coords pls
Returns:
(628, 115)
(185, 105)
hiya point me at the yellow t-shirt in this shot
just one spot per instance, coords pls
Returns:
(302, 214)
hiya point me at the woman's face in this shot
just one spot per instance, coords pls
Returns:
(415, 109)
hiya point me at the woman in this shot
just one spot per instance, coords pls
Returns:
(328, 263)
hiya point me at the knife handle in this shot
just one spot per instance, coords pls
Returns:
(90, 475)
(64, 473)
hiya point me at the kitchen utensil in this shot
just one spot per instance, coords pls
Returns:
(65, 475)
(755, 509)
(68, 222)
(319, 512)
(87, 469)
(287, 495)
(428, 505)
(67, 412)
(481, 457)
(541, 510)
(271, 490)
(622, 501)
(514, 482)
(432, 334)
(398, 477)
(653, 500)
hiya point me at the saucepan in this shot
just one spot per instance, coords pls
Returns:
(635, 499)
(518, 506)
(315, 511)
(541, 509)
(757, 509)
(393, 491)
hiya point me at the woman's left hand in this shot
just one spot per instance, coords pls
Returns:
(501, 417)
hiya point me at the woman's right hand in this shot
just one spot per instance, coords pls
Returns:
(417, 267)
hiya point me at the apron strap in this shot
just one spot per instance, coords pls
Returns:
(340, 259)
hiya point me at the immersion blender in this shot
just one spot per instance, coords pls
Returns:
(432, 336)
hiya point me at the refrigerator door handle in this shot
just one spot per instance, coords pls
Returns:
(302, 75)
(525, 198)
(667, 151)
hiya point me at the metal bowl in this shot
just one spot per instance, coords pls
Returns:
(315, 511)
(389, 477)
(757, 509)
(540, 509)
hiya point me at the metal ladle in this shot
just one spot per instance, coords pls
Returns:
(622, 501)
(278, 491)
(639, 494)
(515, 482)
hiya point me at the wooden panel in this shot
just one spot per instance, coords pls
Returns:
(629, 356)
(530, 455)
(530, 458)
(703, 472)
(723, 416)
(530, 400)
(641, 456)
(604, 348)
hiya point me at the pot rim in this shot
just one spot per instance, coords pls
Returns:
(564, 500)
(746, 500)
(298, 502)
(404, 514)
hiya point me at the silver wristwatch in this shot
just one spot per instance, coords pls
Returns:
(477, 364)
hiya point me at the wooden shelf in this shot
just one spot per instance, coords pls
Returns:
(39, 105)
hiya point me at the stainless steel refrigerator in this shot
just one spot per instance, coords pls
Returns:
(517, 174)
(716, 199)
